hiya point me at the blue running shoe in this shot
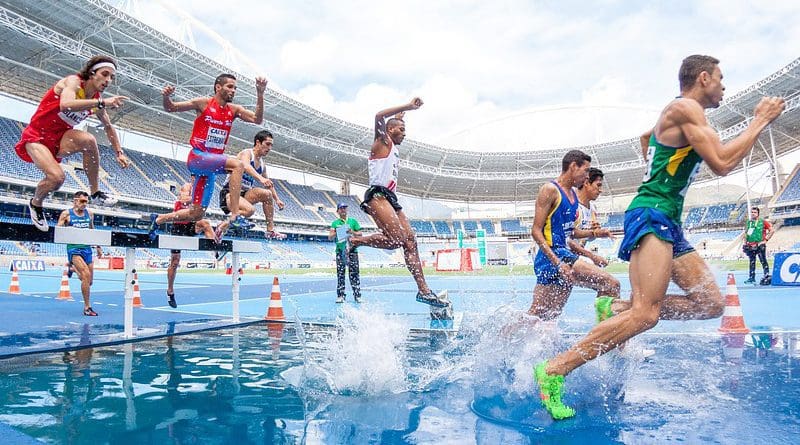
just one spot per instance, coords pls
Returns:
(151, 229)
(242, 223)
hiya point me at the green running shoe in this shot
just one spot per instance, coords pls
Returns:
(551, 387)
(602, 307)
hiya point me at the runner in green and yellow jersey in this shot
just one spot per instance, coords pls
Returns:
(654, 243)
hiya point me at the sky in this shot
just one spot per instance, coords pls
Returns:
(474, 63)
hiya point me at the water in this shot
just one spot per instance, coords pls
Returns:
(371, 380)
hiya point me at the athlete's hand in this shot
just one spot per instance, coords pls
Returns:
(769, 108)
(123, 160)
(415, 103)
(604, 233)
(114, 101)
(599, 261)
(281, 205)
(168, 90)
(266, 182)
(261, 85)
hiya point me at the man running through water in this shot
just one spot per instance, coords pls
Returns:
(380, 201)
(654, 243)
(50, 136)
(255, 170)
(210, 133)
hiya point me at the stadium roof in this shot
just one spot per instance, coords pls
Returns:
(43, 41)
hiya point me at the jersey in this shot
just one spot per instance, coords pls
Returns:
(212, 128)
(587, 216)
(669, 173)
(560, 222)
(81, 222)
(248, 181)
(383, 171)
(754, 230)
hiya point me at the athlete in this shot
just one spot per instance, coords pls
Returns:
(80, 255)
(654, 243)
(380, 201)
(210, 133)
(556, 264)
(250, 194)
(50, 136)
(183, 228)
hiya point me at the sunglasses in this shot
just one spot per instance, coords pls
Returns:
(83, 201)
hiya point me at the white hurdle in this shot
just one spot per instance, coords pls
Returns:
(72, 235)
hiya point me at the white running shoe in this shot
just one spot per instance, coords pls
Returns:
(101, 198)
(37, 216)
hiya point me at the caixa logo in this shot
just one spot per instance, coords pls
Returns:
(787, 269)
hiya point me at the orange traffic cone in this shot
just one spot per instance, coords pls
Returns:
(13, 288)
(63, 291)
(137, 297)
(275, 310)
(275, 332)
(732, 318)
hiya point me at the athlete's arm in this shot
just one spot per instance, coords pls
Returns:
(380, 116)
(545, 203)
(91, 219)
(582, 251)
(113, 138)
(68, 97)
(63, 219)
(722, 159)
(254, 117)
(246, 156)
(644, 141)
(197, 104)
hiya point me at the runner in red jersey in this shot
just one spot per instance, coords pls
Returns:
(50, 136)
(210, 133)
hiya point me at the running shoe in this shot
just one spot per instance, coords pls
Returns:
(171, 301)
(272, 234)
(100, 197)
(339, 299)
(602, 308)
(551, 389)
(37, 216)
(750, 281)
(357, 298)
(433, 299)
(89, 312)
(240, 222)
(151, 229)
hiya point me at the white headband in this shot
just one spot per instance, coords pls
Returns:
(97, 66)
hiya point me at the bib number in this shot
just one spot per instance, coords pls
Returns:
(215, 139)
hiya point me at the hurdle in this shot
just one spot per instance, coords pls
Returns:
(132, 241)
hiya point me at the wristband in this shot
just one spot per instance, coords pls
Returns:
(100, 104)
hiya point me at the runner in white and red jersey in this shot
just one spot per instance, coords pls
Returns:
(380, 201)
(50, 136)
(210, 134)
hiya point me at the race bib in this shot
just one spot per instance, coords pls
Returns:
(215, 139)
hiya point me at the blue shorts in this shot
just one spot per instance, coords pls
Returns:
(546, 271)
(639, 222)
(83, 252)
(205, 166)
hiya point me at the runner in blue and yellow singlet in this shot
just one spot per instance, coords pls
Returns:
(654, 243)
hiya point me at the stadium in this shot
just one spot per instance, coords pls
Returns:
(45, 41)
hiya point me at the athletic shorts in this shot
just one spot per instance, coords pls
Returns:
(83, 252)
(50, 139)
(546, 271)
(182, 229)
(379, 190)
(223, 195)
(205, 166)
(639, 222)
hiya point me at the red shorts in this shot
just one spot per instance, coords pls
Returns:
(50, 139)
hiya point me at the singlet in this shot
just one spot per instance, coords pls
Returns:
(49, 117)
(383, 171)
(248, 181)
(561, 220)
(180, 205)
(586, 217)
(669, 173)
(212, 128)
(81, 222)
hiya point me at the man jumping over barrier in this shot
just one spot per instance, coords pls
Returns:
(380, 201)
(50, 136)
(212, 127)
(654, 243)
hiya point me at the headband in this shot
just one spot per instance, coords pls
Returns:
(97, 66)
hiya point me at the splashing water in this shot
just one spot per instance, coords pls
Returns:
(364, 355)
